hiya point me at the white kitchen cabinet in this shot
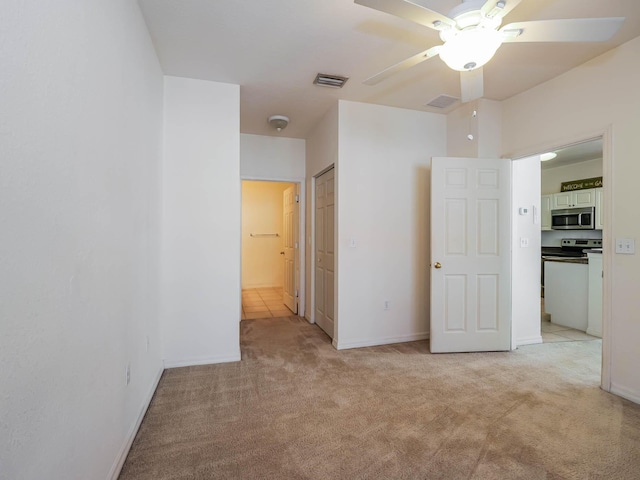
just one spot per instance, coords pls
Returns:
(545, 211)
(599, 209)
(594, 317)
(577, 198)
(566, 293)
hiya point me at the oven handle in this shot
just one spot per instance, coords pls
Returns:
(580, 219)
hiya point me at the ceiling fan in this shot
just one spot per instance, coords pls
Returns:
(471, 35)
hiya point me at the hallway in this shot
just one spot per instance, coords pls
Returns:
(263, 303)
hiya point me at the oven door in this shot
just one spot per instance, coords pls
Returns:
(573, 219)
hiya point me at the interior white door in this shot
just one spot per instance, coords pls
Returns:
(470, 255)
(324, 251)
(289, 207)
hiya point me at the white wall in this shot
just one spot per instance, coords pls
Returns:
(383, 204)
(262, 212)
(321, 152)
(80, 149)
(582, 104)
(525, 281)
(485, 127)
(201, 222)
(552, 178)
(272, 158)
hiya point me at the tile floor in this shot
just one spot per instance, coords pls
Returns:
(263, 303)
(557, 333)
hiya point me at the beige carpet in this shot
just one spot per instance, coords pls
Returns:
(295, 408)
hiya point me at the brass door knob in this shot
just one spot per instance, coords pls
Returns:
(437, 265)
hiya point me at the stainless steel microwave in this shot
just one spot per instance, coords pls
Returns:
(579, 218)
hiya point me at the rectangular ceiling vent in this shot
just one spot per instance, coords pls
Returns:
(443, 101)
(333, 81)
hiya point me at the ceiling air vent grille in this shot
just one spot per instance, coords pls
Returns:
(443, 101)
(333, 81)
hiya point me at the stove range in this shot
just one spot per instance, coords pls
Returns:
(571, 247)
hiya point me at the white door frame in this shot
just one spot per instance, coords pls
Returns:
(300, 182)
(606, 134)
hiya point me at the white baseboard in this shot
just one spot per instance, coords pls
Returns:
(192, 362)
(308, 318)
(372, 342)
(131, 435)
(528, 340)
(625, 393)
(595, 333)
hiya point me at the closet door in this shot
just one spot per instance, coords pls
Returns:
(324, 263)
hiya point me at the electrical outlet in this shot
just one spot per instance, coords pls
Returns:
(524, 242)
(387, 304)
(128, 374)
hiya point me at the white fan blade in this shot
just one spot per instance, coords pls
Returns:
(498, 8)
(471, 85)
(410, 11)
(569, 30)
(405, 64)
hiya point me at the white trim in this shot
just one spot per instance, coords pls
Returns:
(528, 341)
(114, 473)
(625, 393)
(312, 253)
(607, 258)
(191, 362)
(594, 333)
(308, 318)
(373, 342)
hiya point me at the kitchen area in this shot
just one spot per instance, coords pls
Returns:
(571, 242)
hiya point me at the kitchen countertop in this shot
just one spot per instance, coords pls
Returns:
(578, 260)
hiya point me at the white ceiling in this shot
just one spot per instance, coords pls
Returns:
(274, 50)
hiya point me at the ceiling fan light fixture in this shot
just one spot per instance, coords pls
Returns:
(470, 49)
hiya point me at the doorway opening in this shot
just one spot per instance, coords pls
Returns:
(270, 249)
(571, 294)
(572, 258)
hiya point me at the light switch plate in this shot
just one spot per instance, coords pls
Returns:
(626, 246)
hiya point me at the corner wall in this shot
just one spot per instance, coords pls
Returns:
(525, 261)
(321, 153)
(383, 206)
(581, 104)
(80, 149)
(201, 222)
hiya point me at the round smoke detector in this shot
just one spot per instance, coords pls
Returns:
(279, 122)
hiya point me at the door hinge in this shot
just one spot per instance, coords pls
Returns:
(296, 244)
(296, 295)
(297, 198)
